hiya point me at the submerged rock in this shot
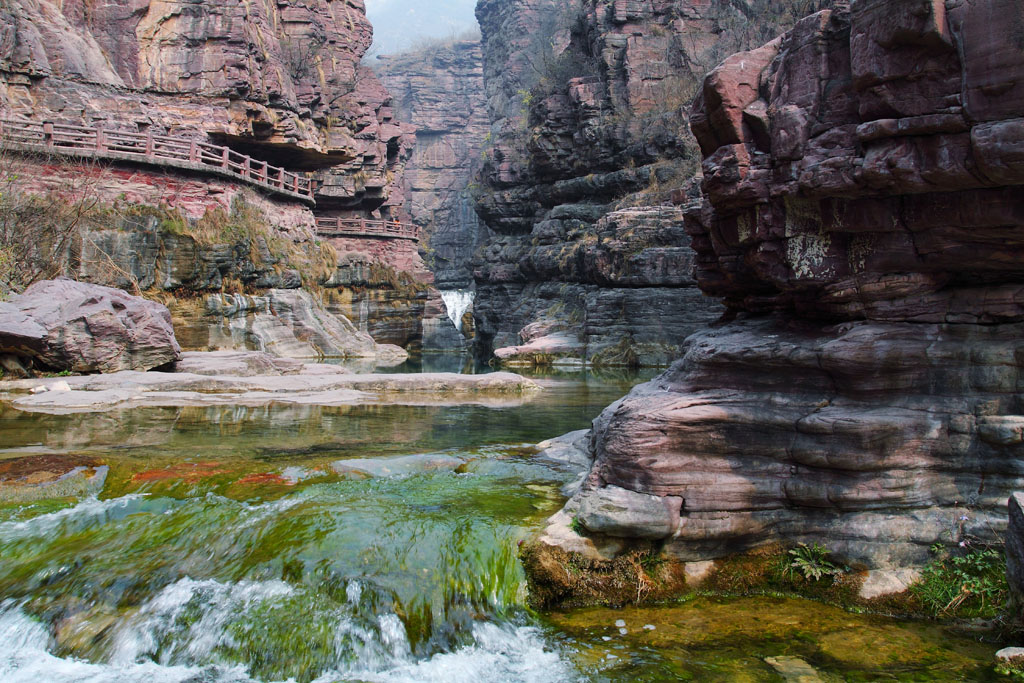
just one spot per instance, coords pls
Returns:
(68, 325)
(400, 466)
(794, 670)
(25, 479)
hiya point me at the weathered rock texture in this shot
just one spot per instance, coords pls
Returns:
(280, 81)
(862, 216)
(68, 325)
(588, 108)
(1015, 556)
(440, 91)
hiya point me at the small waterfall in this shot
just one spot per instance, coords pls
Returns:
(457, 301)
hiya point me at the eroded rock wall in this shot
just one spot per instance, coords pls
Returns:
(861, 217)
(440, 91)
(588, 104)
(280, 81)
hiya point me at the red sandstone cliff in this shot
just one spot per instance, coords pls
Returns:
(862, 216)
(279, 81)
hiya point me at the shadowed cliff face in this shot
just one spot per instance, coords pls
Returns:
(440, 91)
(588, 103)
(862, 214)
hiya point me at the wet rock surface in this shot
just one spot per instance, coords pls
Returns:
(854, 223)
(68, 325)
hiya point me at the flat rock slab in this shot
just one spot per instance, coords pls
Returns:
(313, 385)
(241, 364)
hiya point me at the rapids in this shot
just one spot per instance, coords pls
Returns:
(236, 544)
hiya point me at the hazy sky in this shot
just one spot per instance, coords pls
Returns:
(398, 24)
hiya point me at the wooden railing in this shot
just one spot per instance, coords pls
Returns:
(159, 150)
(358, 227)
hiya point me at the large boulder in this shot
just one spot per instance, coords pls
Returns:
(68, 325)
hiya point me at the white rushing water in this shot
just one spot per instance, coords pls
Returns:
(457, 302)
(499, 652)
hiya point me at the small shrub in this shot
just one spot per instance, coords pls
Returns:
(971, 583)
(577, 526)
(812, 562)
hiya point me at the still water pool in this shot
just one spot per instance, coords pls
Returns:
(288, 543)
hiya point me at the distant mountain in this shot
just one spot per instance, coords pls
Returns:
(400, 24)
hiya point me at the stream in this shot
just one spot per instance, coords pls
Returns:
(363, 543)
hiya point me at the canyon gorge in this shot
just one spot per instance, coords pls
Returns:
(758, 263)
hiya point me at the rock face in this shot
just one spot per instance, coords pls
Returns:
(587, 101)
(291, 323)
(1015, 555)
(281, 82)
(861, 217)
(440, 91)
(68, 325)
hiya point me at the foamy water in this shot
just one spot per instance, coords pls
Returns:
(499, 652)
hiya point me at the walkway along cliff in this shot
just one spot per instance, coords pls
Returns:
(861, 218)
(278, 95)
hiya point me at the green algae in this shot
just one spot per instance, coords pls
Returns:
(722, 639)
(226, 497)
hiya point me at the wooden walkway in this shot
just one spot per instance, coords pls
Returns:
(155, 150)
(358, 227)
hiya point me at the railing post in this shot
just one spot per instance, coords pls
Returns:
(280, 178)
(48, 133)
(246, 167)
(101, 143)
(193, 151)
(225, 157)
(149, 143)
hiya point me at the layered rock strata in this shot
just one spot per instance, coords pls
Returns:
(587, 101)
(440, 91)
(281, 82)
(861, 218)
